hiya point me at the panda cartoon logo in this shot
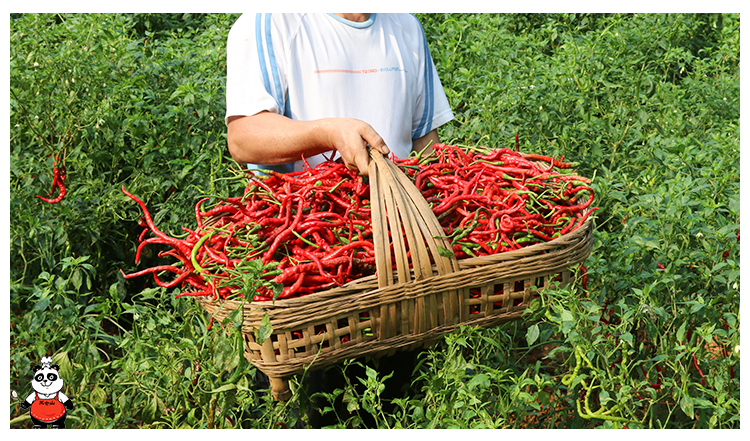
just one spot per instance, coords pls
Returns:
(48, 404)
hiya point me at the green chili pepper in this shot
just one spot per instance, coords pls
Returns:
(194, 252)
(305, 240)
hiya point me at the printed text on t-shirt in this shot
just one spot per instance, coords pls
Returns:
(361, 71)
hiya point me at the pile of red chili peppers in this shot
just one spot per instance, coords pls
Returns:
(499, 201)
(311, 230)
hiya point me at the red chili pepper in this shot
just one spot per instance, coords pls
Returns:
(58, 181)
(555, 162)
(289, 291)
(55, 178)
(285, 233)
(656, 385)
(698, 368)
(147, 216)
(350, 246)
(198, 212)
(59, 196)
(585, 277)
(159, 268)
(142, 235)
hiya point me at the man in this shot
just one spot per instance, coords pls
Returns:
(306, 84)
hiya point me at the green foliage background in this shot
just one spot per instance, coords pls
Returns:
(648, 104)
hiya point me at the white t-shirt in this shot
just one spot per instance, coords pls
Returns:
(311, 66)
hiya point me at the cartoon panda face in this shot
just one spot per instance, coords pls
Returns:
(47, 380)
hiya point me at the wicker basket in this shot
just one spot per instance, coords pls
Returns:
(403, 309)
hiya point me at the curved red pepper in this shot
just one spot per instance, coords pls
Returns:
(58, 181)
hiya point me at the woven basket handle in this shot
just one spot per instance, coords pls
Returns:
(400, 214)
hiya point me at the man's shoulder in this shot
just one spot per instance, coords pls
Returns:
(406, 26)
(249, 21)
(409, 22)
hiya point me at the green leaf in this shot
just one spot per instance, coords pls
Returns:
(731, 319)
(352, 405)
(236, 317)
(686, 404)
(445, 252)
(98, 396)
(371, 373)
(150, 293)
(734, 204)
(223, 388)
(77, 279)
(611, 85)
(43, 303)
(566, 316)
(618, 195)
(718, 266)
(151, 411)
(627, 337)
(265, 330)
(591, 307)
(62, 359)
(532, 334)
(568, 322)
(681, 332)
(651, 243)
(478, 380)
(642, 116)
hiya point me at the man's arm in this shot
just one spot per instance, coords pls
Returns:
(431, 138)
(270, 138)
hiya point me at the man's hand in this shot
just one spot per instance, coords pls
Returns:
(270, 138)
(350, 138)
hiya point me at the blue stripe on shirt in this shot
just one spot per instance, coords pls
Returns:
(274, 67)
(428, 113)
(280, 168)
(261, 53)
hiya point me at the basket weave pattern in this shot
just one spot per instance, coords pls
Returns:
(404, 308)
